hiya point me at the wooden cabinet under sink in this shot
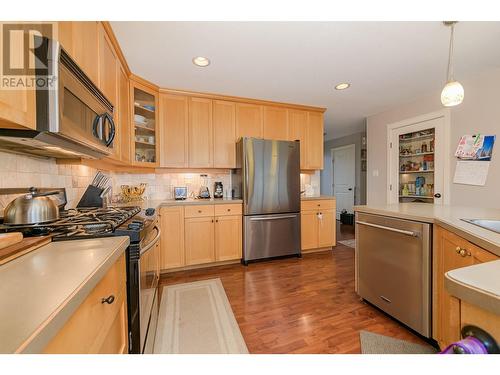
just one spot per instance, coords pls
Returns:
(451, 252)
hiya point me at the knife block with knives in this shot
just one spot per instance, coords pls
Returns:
(95, 193)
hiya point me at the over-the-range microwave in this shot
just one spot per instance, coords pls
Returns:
(73, 117)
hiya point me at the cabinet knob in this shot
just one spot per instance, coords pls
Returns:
(463, 252)
(109, 300)
(199, 211)
(457, 249)
(228, 209)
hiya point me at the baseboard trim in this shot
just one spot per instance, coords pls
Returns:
(319, 250)
(198, 266)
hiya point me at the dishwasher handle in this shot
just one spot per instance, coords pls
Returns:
(401, 231)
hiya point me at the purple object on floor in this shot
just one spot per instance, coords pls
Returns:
(469, 345)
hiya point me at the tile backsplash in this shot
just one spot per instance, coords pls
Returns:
(19, 171)
(160, 185)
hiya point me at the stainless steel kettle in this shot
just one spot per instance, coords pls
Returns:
(31, 208)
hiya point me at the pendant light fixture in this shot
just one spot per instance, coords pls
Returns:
(453, 92)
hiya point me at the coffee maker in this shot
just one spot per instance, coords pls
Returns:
(218, 190)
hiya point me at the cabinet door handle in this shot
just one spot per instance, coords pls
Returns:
(109, 300)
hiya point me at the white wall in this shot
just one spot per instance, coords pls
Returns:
(479, 113)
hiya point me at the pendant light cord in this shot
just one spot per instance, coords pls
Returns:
(449, 73)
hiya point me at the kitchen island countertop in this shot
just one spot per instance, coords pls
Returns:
(478, 285)
(41, 290)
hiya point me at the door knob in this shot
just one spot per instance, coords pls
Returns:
(350, 189)
(437, 195)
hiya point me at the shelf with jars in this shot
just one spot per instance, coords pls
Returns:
(416, 166)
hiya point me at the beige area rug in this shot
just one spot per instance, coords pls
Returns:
(196, 318)
(373, 343)
(349, 243)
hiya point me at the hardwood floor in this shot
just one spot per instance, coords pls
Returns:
(296, 305)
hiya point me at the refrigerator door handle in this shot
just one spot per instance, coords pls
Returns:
(273, 218)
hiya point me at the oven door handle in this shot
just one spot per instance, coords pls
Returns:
(152, 243)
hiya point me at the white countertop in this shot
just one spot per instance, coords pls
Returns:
(156, 203)
(40, 290)
(479, 285)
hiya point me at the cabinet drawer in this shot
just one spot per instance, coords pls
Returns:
(88, 328)
(228, 209)
(199, 211)
(321, 204)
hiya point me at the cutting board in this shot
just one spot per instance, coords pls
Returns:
(9, 239)
(25, 246)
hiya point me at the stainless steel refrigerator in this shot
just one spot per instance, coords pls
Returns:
(268, 180)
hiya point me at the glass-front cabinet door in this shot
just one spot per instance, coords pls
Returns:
(416, 166)
(145, 129)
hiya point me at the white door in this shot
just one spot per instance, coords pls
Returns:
(439, 175)
(344, 169)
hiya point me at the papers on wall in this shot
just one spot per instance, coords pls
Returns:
(471, 172)
(475, 147)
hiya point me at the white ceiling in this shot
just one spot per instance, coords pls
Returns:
(387, 63)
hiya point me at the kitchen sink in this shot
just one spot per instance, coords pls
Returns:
(493, 225)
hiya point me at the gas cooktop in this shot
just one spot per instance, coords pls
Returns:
(87, 223)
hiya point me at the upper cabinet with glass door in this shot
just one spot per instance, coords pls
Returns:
(144, 110)
(416, 166)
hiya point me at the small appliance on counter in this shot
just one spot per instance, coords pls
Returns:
(204, 192)
(218, 190)
(180, 193)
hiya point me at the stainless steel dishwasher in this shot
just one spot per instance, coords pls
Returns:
(393, 266)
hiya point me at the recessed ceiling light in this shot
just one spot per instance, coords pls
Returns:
(201, 61)
(342, 86)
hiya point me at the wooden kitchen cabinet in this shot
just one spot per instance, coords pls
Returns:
(224, 134)
(172, 237)
(174, 117)
(85, 47)
(249, 120)
(124, 119)
(317, 224)
(107, 67)
(200, 133)
(476, 316)
(275, 123)
(228, 237)
(314, 148)
(194, 235)
(17, 106)
(144, 104)
(96, 327)
(326, 228)
(297, 130)
(309, 230)
(450, 252)
(199, 240)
